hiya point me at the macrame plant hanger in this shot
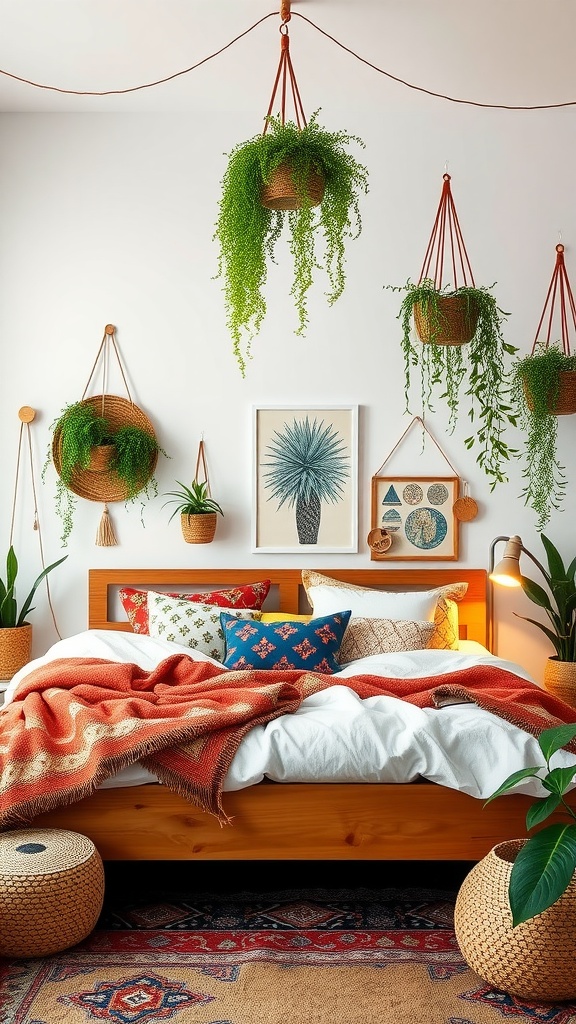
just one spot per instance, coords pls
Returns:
(465, 508)
(280, 193)
(559, 288)
(202, 467)
(446, 237)
(26, 416)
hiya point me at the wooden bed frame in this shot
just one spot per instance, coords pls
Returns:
(271, 821)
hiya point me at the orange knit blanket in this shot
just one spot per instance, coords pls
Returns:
(76, 721)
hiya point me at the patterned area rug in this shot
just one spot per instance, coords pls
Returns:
(318, 956)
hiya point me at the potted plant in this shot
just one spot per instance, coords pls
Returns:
(559, 603)
(103, 456)
(198, 511)
(514, 913)
(322, 173)
(543, 388)
(15, 630)
(461, 353)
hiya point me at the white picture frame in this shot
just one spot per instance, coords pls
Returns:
(288, 514)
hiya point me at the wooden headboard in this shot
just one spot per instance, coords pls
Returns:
(287, 592)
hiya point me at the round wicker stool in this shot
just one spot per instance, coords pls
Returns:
(51, 890)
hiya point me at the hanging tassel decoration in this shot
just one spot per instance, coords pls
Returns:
(105, 537)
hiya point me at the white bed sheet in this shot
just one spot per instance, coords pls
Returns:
(335, 736)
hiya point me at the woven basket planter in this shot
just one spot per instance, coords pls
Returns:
(279, 193)
(199, 529)
(102, 483)
(15, 649)
(560, 679)
(565, 404)
(100, 458)
(457, 318)
(537, 959)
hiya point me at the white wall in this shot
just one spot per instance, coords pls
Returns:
(108, 218)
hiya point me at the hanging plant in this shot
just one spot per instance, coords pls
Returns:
(453, 371)
(128, 472)
(452, 334)
(544, 387)
(536, 393)
(248, 232)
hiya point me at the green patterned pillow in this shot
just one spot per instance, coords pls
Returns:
(192, 625)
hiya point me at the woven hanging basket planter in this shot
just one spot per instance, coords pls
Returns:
(565, 404)
(200, 528)
(280, 192)
(104, 484)
(456, 324)
(537, 959)
(100, 458)
(15, 649)
(560, 679)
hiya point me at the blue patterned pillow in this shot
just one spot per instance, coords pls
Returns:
(310, 646)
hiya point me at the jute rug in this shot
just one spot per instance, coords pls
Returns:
(293, 958)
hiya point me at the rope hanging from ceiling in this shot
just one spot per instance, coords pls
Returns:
(446, 237)
(559, 288)
(285, 78)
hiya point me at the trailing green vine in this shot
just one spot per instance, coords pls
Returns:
(538, 375)
(475, 371)
(248, 232)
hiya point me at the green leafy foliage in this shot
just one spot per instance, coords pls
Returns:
(248, 232)
(545, 864)
(559, 602)
(475, 371)
(538, 374)
(10, 615)
(193, 500)
(80, 429)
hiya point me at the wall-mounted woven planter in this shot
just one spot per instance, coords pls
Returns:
(280, 192)
(101, 457)
(15, 649)
(537, 959)
(199, 529)
(452, 322)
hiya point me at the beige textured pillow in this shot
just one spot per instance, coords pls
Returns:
(364, 637)
(328, 595)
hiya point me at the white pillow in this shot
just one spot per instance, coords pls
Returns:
(191, 624)
(327, 597)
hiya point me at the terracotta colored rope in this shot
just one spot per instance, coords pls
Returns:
(107, 340)
(286, 74)
(558, 283)
(446, 231)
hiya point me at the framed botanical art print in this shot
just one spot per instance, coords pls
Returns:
(305, 478)
(418, 514)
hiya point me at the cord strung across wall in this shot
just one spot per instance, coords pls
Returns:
(104, 448)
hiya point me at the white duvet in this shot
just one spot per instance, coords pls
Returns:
(335, 736)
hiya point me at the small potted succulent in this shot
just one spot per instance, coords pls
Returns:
(461, 354)
(198, 511)
(324, 186)
(543, 388)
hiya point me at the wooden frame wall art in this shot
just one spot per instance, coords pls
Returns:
(418, 513)
(305, 478)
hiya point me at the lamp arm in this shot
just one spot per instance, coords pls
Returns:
(535, 560)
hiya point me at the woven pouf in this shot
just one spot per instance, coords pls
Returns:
(535, 960)
(51, 890)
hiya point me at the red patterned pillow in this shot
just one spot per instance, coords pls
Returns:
(251, 596)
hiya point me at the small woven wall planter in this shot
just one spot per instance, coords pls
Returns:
(200, 528)
(454, 321)
(564, 404)
(15, 649)
(537, 959)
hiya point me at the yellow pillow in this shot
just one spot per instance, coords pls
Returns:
(283, 617)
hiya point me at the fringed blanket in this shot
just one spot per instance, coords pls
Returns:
(76, 721)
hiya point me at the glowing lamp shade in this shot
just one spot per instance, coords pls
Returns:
(507, 572)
